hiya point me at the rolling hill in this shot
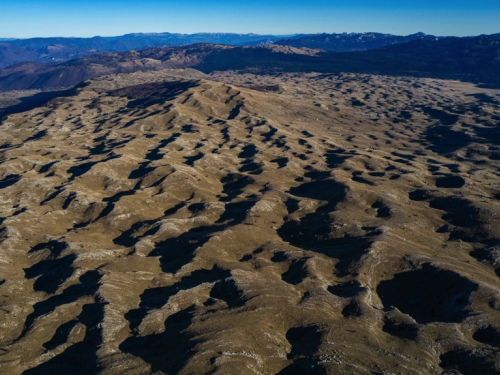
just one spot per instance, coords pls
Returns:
(168, 222)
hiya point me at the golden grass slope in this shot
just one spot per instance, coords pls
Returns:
(241, 224)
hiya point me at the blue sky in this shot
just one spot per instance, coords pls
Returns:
(29, 18)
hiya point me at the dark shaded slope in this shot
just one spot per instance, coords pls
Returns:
(470, 59)
(67, 74)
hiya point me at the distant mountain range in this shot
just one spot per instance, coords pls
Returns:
(474, 59)
(63, 49)
(352, 42)
(44, 50)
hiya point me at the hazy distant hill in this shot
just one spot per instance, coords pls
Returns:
(56, 49)
(352, 42)
(470, 59)
(63, 49)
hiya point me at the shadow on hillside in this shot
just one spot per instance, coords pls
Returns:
(148, 94)
(34, 101)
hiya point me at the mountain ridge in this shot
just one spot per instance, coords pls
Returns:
(59, 49)
(351, 42)
(470, 59)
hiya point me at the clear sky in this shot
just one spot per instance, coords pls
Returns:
(30, 18)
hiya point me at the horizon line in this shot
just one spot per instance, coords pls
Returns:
(238, 33)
